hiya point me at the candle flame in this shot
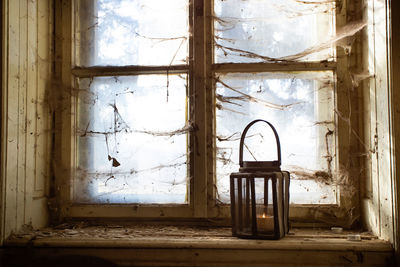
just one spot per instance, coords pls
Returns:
(265, 216)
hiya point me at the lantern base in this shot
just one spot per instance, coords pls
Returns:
(271, 236)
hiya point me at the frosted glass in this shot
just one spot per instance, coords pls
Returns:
(246, 30)
(132, 140)
(300, 106)
(132, 32)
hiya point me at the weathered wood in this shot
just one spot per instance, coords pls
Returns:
(22, 112)
(31, 106)
(394, 14)
(193, 257)
(2, 135)
(128, 211)
(199, 104)
(287, 243)
(346, 145)
(187, 246)
(20, 94)
(212, 208)
(384, 151)
(370, 207)
(65, 149)
(127, 70)
(284, 67)
(43, 115)
(369, 216)
(10, 148)
(26, 72)
(379, 204)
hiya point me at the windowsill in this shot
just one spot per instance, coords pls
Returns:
(193, 245)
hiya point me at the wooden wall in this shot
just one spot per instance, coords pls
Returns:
(380, 200)
(26, 117)
(395, 115)
(27, 43)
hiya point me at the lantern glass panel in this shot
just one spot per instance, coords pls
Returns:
(264, 205)
(243, 205)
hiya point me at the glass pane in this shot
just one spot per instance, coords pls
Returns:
(132, 139)
(266, 30)
(131, 32)
(300, 106)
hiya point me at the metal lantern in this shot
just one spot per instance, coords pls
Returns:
(260, 196)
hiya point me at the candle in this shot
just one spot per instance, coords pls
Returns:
(265, 223)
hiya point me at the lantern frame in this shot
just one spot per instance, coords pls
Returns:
(247, 221)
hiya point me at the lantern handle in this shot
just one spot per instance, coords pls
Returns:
(278, 144)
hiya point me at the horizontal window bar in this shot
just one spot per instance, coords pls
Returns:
(85, 72)
(281, 66)
(129, 211)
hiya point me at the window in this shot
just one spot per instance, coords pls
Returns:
(132, 141)
(161, 91)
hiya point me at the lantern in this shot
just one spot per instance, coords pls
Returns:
(260, 196)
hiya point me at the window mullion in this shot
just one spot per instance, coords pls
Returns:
(347, 124)
(210, 108)
(65, 147)
(271, 67)
(83, 72)
(198, 97)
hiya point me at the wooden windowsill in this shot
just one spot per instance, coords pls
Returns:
(205, 245)
(191, 237)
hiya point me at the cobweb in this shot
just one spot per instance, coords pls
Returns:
(133, 132)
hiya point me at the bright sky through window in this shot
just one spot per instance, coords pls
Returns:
(140, 32)
(132, 148)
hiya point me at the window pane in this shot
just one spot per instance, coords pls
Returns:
(255, 30)
(300, 106)
(132, 139)
(132, 32)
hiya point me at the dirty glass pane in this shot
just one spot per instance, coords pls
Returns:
(300, 106)
(267, 30)
(132, 136)
(131, 32)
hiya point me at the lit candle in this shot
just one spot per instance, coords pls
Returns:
(265, 223)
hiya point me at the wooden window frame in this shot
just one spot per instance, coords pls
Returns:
(203, 203)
